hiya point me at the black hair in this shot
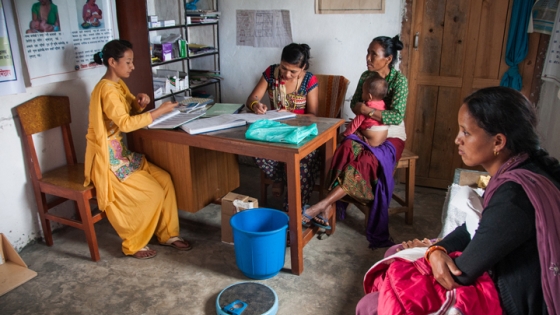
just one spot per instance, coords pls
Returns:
(391, 46)
(114, 49)
(504, 110)
(297, 54)
(376, 86)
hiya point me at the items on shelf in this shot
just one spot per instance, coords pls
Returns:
(198, 49)
(153, 22)
(169, 81)
(198, 77)
(168, 47)
(169, 33)
(202, 16)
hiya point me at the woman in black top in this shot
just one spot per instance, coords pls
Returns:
(512, 242)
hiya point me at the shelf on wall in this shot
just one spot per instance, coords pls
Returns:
(165, 27)
(159, 63)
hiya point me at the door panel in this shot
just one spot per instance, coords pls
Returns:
(454, 32)
(424, 123)
(431, 37)
(461, 48)
(490, 51)
(445, 130)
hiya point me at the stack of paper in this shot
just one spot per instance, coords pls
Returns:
(231, 120)
(174, 119)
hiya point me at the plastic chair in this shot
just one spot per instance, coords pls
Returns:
(332, 92)
(65, 182)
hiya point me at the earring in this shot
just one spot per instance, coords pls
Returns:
(496, 152)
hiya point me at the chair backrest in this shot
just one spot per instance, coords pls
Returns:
(40, 114)
(332, 91)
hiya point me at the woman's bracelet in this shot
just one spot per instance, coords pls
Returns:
(252, 104)
(432, 249)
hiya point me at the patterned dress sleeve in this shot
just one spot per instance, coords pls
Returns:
(396, 98)
(312, 83)
(268, 74)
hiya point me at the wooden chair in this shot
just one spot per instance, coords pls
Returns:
(332, 92)
(407, 162)
(40, 114)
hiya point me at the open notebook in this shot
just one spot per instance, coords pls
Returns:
(174, 119)
(189, 109)
(231, 120)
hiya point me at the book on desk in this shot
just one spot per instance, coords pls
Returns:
(189, 109)
(230, 121)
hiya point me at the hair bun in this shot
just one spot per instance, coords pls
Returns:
(397, 44)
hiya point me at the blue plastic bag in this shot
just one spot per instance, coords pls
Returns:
(274, 131)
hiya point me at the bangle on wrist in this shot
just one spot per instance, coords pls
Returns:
(432, 249)
(252, 104)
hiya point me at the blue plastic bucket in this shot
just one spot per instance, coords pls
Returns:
(259, 237)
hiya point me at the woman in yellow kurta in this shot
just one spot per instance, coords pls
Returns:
(137, 196)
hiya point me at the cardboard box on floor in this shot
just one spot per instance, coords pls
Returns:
(229, 208)
(13, 271)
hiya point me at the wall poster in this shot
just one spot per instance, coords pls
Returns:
(349, 6)
(11, 80)
(263, 28)
(59, 37)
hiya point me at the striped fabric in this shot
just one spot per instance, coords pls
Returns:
(332, 91)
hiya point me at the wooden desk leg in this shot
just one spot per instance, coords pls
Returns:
(410, 182)
(294, 211)
(330, 147)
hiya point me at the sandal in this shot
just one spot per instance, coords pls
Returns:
(171, 242)
(277, 188)
(305, 218)
(144, 253)
(321, 222)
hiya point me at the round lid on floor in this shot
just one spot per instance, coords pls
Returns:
(247, 298)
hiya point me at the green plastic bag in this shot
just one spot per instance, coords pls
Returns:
(274, 131)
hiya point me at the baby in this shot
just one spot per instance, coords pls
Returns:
(373, 92)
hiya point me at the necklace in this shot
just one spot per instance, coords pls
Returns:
(291, 100)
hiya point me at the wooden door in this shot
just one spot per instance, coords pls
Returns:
(460, 48)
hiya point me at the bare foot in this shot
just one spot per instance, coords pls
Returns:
(319, 208)
(181, 245)
(144, 253)
(178, 243)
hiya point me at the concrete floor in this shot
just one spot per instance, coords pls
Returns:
(174, 282)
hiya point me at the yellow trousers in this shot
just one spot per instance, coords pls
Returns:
(145, 205)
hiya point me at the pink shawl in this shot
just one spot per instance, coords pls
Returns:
(545, 198)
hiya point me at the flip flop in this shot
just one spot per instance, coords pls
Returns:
(144, 249)
(315, 221)
(308, 223)
(304, 215)
(174, 239)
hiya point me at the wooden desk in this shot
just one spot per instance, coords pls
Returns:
(171, 142)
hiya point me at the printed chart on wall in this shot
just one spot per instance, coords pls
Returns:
(59, 37)
(11, 81)
(263, 28)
